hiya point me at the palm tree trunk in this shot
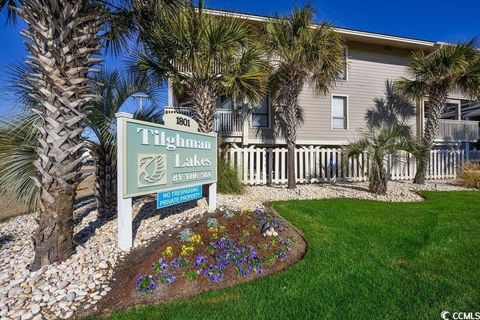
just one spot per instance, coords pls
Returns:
(378, 180)
(105, 188)
(204, 107)
(62, 39)
(437, 100)
(292, 87)
(291, 146)
(53, 239)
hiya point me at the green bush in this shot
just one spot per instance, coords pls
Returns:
(228, 180)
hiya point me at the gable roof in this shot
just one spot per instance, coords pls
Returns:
(349, 34)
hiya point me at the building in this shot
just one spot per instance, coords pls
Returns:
(338, 117)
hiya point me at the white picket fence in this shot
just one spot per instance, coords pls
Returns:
(260, 166)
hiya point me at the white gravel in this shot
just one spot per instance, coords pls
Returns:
(58, 290)
(397, 191)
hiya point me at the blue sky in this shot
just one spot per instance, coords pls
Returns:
(439, 20)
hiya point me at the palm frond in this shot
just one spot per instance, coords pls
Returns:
(10, 6)
(414, 89)
(115, 88)
(192, 49)
(18, 141)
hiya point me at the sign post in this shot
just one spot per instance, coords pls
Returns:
(173, 160)
(124, 205)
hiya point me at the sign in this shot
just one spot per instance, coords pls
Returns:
(164, 157)
(173, 197)
(173, 160)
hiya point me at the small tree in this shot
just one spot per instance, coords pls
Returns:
(114, 88)
(387, 132)
(204, 56)
(377, 143)
(301, 53)
(434, 75)
(18, 140)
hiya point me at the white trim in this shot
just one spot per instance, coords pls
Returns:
(269, 108)
(346, 66)
(374, 35)
(282, 141)
(343, 31)
(347, 115)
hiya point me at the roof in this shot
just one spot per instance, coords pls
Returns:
(349, 34)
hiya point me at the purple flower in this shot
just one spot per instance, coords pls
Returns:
(145, 284)
(178, 263)
(214, 273)
(167, 278)
(200, 261)
(160, 265)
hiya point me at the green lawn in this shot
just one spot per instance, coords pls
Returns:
(366, 260)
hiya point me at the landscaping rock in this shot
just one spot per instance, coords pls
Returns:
(59, 289)
(71, 295)
(35, 309)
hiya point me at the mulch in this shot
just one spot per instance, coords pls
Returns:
(139, 261)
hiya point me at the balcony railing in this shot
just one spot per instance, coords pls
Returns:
(227, 122)
(458, 131)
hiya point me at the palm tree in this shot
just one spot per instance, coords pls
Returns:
(434, 75)
(387, 132)
(377, 143)
(115, 88)
(18, 140)
(203, 56)
(301, 54)
(62, 39)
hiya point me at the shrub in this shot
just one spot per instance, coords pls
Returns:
(185, 234)
(470, 175)
(212, 223)
(228, 180)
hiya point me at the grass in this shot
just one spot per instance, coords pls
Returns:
(366, 260)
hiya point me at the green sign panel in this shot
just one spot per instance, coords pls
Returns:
(160, 158)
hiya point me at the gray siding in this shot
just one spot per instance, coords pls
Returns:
(369, 67)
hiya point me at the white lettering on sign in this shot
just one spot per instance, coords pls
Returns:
(194, 161)
(159, 138)
(191, 176)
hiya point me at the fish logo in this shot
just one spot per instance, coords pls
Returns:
(152, 169)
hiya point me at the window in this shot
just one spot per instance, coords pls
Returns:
(224, 103)
(339, 112)
(260, 114)
(344, 71)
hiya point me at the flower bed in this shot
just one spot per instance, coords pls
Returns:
(219, 250)
(215, 252)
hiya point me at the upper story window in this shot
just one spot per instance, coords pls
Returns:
(261, 114)
(224, 102)
(344, 72)
(339, 112)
